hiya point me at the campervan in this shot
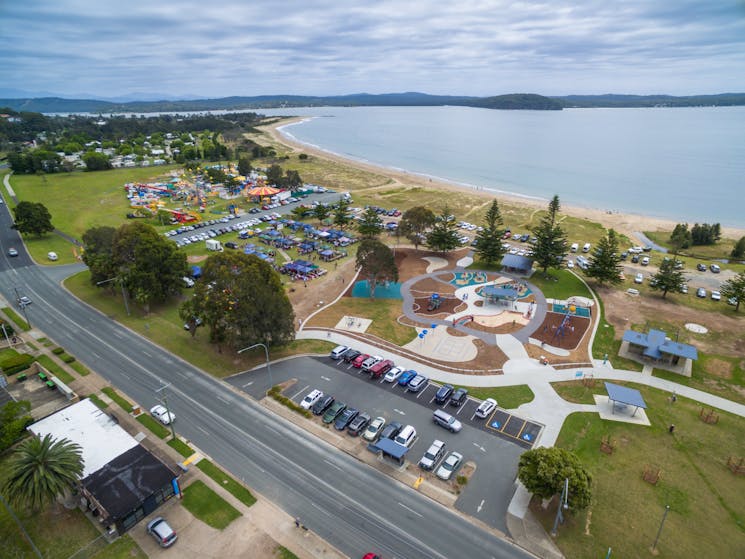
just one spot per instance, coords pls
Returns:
(574, 247)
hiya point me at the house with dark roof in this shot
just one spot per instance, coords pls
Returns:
(517, 264)
(656, 348)
(122, 481)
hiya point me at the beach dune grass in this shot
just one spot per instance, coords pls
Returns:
(707, 502)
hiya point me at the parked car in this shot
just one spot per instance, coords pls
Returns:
(345, 418)
(715, 268)
(391, 430)
(374, 429)
(639, 278)
(187, 281)
(716, 296)
(701, 267)
(368, 363)
(159, 529)
(231, 244)
(161, 414)
(444, 393)
(645, 261)
(322, 404)
(635, 259)
(380, 368)
(701, 292)
(449, 466)
(52, 256)
(334, 411)
(359, 360)
(406, 436)
(312, 397)
(684, 288)
(406, 377)
(486, 407)
(350, 355)
(434, 454)
(459, 397)
(197, 323)
(570, 264)
(417, 383)
(358, 424)
(338, 351)
(393, 374)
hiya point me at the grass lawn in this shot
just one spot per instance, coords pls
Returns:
(508, 397)
(567, 284)
(181, 447)
(123, 548)
(383, 313)
(606, 343)
(55, 369)
(208, 506)
(81, 369)
(16, 318)
(164, 327)
(283, 553)
(717, 374)
(706, 253)
(96, 400)
(157, 428)
(707, 502)
(121, 402)
(232, 486)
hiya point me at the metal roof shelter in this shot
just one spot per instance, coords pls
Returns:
(518, 263)
(392, 449)
(625, 396)
(656, 344)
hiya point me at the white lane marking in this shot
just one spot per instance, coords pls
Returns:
(327, 379)
(481, 448)
(146, 353)
(481, 505)
(223, 400)
(96, 355)
(399, 411)
(299, 392)
(248, 384)
(203, 430)
(410, 510)
(332, 464)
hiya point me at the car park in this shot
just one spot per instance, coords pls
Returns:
(716, 296)
(350, 355)
(701, 267)
(322, 404)
(391, 430)
(393, 374)
(406, 377)
(486, 407)
(374, 428)
(443, 393)
(449, 466)
(162, 414)
(334, 411)
(447, 421)
(406, 436)
(458, 397)
(434, 454)
(417, 383)
(701, 292)
(311, 398)
(12, 252)
(159, 529)
(343, 420)
(358, 424)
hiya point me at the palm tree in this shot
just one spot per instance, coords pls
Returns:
(40, 470)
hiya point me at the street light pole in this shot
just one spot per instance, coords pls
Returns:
(266, 354)
(563, 504)
(659, 531)
(23, 306)
(164, 401)
(126, 303)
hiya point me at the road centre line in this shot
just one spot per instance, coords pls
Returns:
(411, 510)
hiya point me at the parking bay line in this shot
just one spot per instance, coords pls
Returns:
(299, 392)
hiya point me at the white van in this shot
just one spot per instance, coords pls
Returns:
(338, 351)
(586, 248)
(574, 247)
(406, 436)
(52, 256)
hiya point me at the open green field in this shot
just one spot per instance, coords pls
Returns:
(700, 253)
(560, 284)
(507, 397)
(208, 506)
(707, 502)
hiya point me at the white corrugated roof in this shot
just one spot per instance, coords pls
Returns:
(100, 438)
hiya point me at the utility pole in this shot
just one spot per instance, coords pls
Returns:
(124, 296)
(563, 504)
(23, 306)
(266, 354)
(659, 531)
(164, 400)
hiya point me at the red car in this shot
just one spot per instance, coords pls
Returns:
(357, 363)
(371, 556)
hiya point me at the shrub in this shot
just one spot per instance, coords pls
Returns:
(58, 351)
(8, 329)
(16, 363)
(67, 358)
(461, 480)
(276, 393)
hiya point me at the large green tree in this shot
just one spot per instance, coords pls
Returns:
(149, 266)
(376, 263)
(241, 300)
(244, 165)
(738, 251)
(42, 469)
(33, 218)
(321, 212)
(669, 277)
(14, 418)
(274, 175)
(414, 224)
(95, 161)
(443, 236)
(551, 242)
(341, 213)
(543, 470)
(489, 240)
(734, 289)
(98, 243)
(370, 225)
(605, 262)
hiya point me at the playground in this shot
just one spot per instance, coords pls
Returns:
(562, 330)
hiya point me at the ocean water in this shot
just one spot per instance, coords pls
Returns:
(686, 164)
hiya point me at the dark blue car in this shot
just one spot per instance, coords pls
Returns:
(406, 377)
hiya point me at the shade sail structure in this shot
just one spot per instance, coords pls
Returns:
(625, 396)
(263, 191)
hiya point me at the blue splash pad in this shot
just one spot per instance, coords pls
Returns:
(382, 290)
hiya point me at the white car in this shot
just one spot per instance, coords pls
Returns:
(486, 407)
(570, 264)
(312, 397)
(449, 466)
(373, 430)
(161, 414)
(52, 256)
(188, 282)
(393, 374)
(639, 278)
(716, 296)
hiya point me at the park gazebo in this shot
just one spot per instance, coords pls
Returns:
(517, 264)
(499, 295)
(624, 396)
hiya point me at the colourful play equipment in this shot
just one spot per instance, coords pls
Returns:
(434, 302)
(463, 320)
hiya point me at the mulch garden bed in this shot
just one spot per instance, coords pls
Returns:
(573, 332)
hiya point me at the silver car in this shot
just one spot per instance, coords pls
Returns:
(162, 532)
(449, 466)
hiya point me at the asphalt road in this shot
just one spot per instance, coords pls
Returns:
(352, 506)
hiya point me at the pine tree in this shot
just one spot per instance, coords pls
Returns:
(444, 235)
(489, 240)
(551, 243)
(605, 262)
(370, 225)
(668, 278)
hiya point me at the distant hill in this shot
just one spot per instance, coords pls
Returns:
(512, 101)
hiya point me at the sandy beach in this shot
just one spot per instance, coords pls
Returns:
(622, 222)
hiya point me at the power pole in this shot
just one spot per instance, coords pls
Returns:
(164, 401)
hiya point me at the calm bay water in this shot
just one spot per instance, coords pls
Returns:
(686, 164)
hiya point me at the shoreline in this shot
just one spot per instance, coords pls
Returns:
(625, 223)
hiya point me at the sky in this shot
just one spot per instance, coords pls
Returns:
(186, 48)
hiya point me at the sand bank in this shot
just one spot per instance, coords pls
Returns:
(622, 222)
